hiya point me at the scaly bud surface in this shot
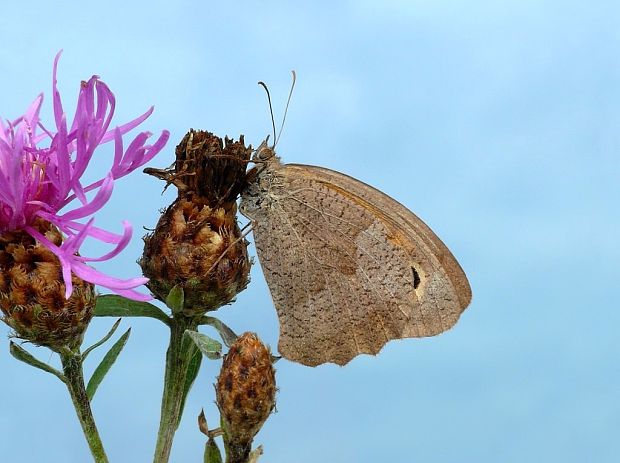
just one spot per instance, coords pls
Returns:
(245, 391)
(32, 291)
(197, 243)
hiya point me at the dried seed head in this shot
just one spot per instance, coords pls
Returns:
(245, 392)
(207, 167)
(32, 292)
(197, 243)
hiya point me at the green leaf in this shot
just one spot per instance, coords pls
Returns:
(212, 452)
(105, 365)
(104, 339)
(21, 354)
(111, 305)
(227, 335)
(208, 346)
(176, 299)
(193, 367)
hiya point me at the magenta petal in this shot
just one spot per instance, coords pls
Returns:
(153, 150)
(90, 274)
(62, 257)
(98, 233)
(62, 179)
(118, 148)
(134, 295)
(32, 113)
(105, 97)
(41, 171)
(58, 112)
(137, 155)
(100, 199)
(129, 126)
(122, 244)
(72, 243)
(72, 263)
(134, 151)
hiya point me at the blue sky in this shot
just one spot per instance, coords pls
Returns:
(496, 122)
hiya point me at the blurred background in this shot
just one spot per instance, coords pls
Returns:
(496, 122)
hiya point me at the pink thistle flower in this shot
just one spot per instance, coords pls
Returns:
(41, 171)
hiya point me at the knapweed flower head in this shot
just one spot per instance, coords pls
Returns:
(197, 244)
(245, 394)
(41, 171)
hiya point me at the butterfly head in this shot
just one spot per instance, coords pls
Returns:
(264, 152)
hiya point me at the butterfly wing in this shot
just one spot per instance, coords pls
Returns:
(411, 224)
(348, 267)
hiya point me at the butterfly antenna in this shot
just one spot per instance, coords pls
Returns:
(273, 122)
(290, 94)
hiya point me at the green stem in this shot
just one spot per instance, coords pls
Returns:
(237, 452)
(178, 357)
(72, 368)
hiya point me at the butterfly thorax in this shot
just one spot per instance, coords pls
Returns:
(262, 180)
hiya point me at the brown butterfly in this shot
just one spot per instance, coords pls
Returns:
(348, 267)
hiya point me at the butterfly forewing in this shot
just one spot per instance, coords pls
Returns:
(410, 225)
(348, 267)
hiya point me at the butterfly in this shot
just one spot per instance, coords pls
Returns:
(348, 267)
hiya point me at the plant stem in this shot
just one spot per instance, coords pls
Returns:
(178, 357)
(237, 452)
(72, 368)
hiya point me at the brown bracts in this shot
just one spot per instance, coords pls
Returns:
(197, 243)
(245, 391)
(32, 291)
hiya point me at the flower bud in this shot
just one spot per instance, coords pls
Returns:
(32, 292)
(197, 243)
(245, 392)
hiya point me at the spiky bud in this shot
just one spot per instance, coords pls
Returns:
(245, 391)
(32, 291)
(197, 243)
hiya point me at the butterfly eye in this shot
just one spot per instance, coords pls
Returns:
(416, 278)
(265, 153)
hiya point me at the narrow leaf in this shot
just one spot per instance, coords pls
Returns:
(23, 355)
(227, 335)
(212, 452)
(104, 339)
(111, 305)
(193, 367)
(176, 299)
(202, 423)
(208, 346)
(106, 364)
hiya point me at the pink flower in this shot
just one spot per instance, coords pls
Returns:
(40, 172)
